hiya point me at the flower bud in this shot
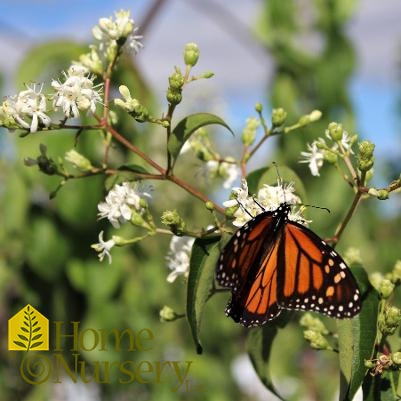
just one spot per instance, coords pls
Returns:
(366, 158)
(209, 206)
(315, 115)
(174, 97)
(389, 320)
(207, 74)
(173, 221)
(249, 132)
(167, 314)
(78, 160)
(316, 340)
(335, 131)
(176, 80)
(191, 54)
(278, 117)
(258, 107)
(396, 358)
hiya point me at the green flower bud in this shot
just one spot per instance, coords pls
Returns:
(209, 206)
(389, 321)
(386, 288)
(365, 165)
(316, 340)
(167, 314)
(174, 97)
(315, 115)
(369, 364)
(208, 75)
(278, 117)
(382, 194)
(176, 80)
(249, 132)
(365, 159)
(335, 130)
(396, 358)
(78, 160)
(329, 156)
(191, 54)
(258, 107)
(173, 221)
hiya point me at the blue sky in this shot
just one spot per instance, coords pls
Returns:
(241, 69)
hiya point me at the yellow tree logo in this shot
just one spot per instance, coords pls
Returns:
(28, 330)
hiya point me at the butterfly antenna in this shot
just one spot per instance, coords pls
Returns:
(261, 207)
(318, 207)
(280, 180)
(244, 209)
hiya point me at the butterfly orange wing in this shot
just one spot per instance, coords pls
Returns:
(272, 263)
(248, 265)
(313, 276)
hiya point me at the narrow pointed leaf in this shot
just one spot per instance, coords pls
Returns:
(356, 339)
(259, 345)
(22, 337)
(35, 345)
(205, 253)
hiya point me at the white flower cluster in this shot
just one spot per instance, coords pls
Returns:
(29, 109)
(268, 198)
(110, 31)
(319, 149)
(77, 92)
(120, 203)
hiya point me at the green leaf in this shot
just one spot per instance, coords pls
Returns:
(22, 337)
(259, 344)
(205, 253)
(356, 339)
(187, 126)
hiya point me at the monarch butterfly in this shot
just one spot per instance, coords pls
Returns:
(273, 263)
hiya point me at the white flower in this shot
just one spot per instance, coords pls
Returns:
(226, 170)
(77, 92)
(109, 31)
(120, 203)
(346, 142)
(178, 257)
(269, 198)
(103, 247)
(314, 158)
(31, 104)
